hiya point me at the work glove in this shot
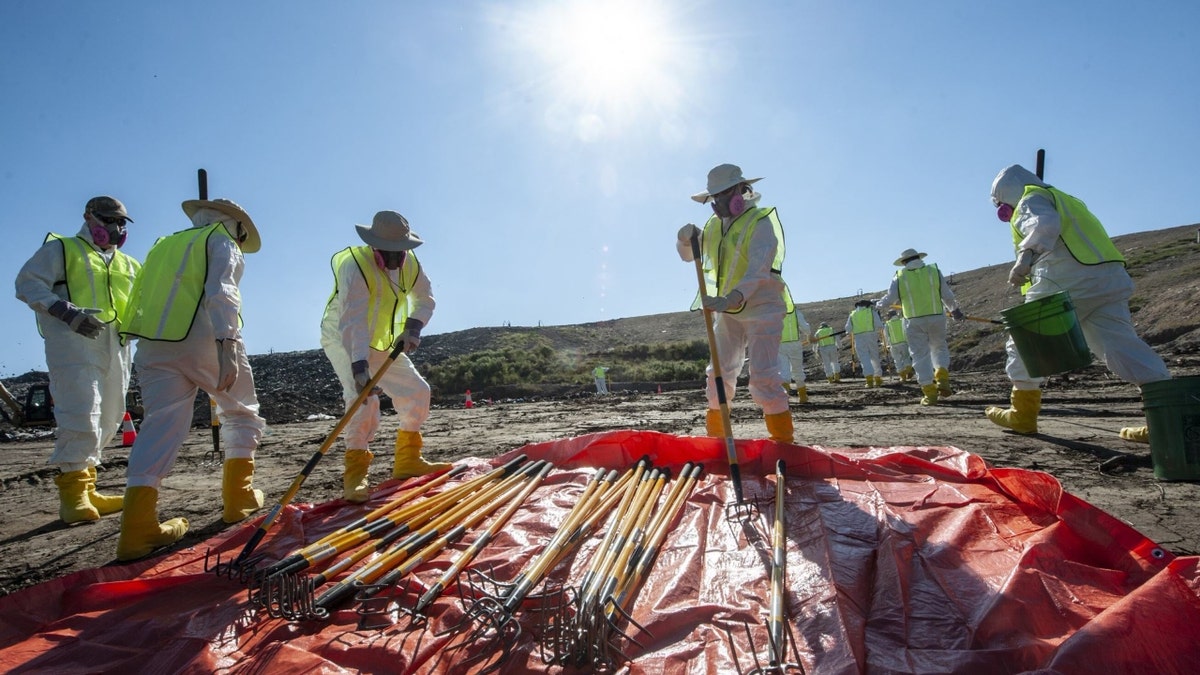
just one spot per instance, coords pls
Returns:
(688, 231)
(724, 303)
(362, 377)
(411, 336)
(1020, 271)
(79, 320)
(957, 315)
(229, 356)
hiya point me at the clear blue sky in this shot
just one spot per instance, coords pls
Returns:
(546, 151)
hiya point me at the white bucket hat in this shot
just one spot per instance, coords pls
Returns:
(389, 231)
(229, 208)
(909, 254)
(720, 179)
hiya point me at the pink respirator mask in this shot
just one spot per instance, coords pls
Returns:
(105, 237)
(1004, 212)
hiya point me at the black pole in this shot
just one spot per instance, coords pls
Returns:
(1041, 164)
(213, 418)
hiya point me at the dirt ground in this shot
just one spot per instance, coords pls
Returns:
(1078, 432)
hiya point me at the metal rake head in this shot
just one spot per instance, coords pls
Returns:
(777, 663)
(374, 605)
(488, 623)
(243, 571)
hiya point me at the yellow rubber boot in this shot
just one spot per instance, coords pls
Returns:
(837, 377)
(942, 377)
(908, 373)
(1136, 434)
(779, 427)
(712, 423)
(1022, 416)
(356, 487)
(73, 504)
(930, 392)
(141, 532)
(802, 393)
(237, 490)
(409, 462)
(105, 504)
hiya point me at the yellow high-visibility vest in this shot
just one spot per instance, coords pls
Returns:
(725, 255)
(895, 331)
(920, 291)
(824, 336)
(166, 294)
(862, 320)
(388, 301)
(93, 282)
(1085, 237)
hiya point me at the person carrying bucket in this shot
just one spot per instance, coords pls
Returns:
(1060, 246)
(922, 292)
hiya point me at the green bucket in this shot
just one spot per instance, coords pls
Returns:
(1173, 415)
(1047, 335)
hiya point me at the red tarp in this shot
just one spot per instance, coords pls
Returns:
(899, 560)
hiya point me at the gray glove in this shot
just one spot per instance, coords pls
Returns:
(724, 303)
(688, 231)
(957, 314)
(362, 377)
(79, 320)
(229, 357)
(1020, 271)
(412, 335)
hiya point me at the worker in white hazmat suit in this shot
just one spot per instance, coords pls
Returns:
(922, 292)
(184, 311)
(791, 353)
(1061, 246)
(897, 342)
(599, 373)
(864, 324)
(78, 286)
(742, 251)
(826, 349)
(380, 293)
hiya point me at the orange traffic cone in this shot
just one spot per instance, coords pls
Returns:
(468, 403)
(128, 432)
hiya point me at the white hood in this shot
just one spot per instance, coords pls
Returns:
(1010, 184)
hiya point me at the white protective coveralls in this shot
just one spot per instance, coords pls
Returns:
(926, 334)
(791, 352)
(171, 373)
(829, 357)
(866, 344)
(88, 377)
(898, 349)
(346, 338)
(756, 329)
(1099, 292)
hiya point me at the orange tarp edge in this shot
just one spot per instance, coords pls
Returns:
(908, 559)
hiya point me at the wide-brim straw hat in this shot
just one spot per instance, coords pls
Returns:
(720, 179)
(253, 242)
(909, 254)
(389, 231)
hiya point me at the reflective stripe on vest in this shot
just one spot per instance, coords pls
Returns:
(387, 310)
(166, 295)
(895, 331)
(862, 320)
(824, 336)
(724, 271)
(920, 291)
(93, 282)
(1085, 237)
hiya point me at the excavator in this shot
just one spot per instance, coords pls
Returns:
(37, 410)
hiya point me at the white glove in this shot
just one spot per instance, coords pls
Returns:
(362, 377)
(724, 303)
(1020, 271)
(229, 355)
(79, 320)
(688, 231)
(412, 335)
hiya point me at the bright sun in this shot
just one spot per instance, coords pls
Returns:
(603, 63)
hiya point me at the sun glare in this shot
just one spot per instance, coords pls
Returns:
(603, 64)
